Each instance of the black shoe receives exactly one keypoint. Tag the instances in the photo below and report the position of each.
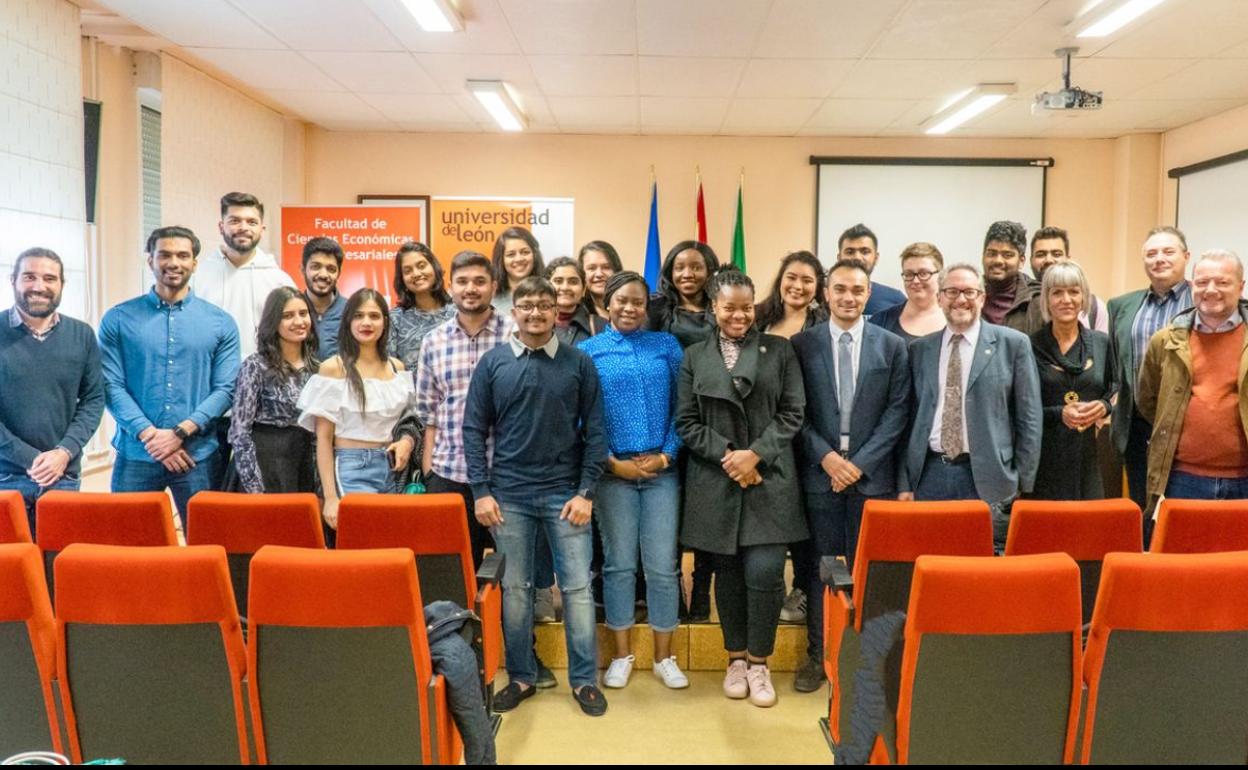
(591, 700)
(545, 678)
(809, 676)
(511, 696)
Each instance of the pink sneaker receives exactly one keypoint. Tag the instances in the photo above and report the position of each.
(734, 681)
(762, 694)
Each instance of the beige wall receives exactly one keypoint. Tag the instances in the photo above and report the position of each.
(1203, 140)
(610, 179)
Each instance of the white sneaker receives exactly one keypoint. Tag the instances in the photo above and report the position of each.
(618, 672)
(735, 685)
(794, 609)
(544, 605)
(668, 672)
(762, 694)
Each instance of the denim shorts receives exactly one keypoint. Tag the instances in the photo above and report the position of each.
(363, 470)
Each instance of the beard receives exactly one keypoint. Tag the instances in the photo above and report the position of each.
(23, 303)
(240, 243)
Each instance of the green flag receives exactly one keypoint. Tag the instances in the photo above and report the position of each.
(738, 233)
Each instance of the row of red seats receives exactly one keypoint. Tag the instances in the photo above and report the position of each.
(145, 657)
(991, 667)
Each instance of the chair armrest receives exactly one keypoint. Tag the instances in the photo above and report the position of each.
(490, 610)
(835, 575)
(441, 726)
(491, 570)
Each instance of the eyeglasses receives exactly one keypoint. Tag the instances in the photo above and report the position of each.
(922, 276)
(541, 307)
(952, 294)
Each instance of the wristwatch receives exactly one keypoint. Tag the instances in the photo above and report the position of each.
(586, 493)
(180, 433)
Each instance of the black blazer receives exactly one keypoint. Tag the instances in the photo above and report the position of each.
(880, 412)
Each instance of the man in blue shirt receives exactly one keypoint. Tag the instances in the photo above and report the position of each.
(50, 367)
(859, 242)
(322, 265)
(539, 400)
(170, 360)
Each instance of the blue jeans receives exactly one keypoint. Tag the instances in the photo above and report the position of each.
(1188, 486)
(363, 470)
(942, 480)
(572, 548)
(151, 476)
(640, 516)
(31, 492)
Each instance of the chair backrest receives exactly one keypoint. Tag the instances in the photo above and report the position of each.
(150, 658)
(104, 518)
(1085, 530)
(895, 534)
(244, 523)
(14, 526)
(1164, 665)
(339, 658)
(27, 654)
(434, 527)
(990, 672)
(1201, 526)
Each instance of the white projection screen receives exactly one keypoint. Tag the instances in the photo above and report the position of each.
(946, 201)
(1213, 204)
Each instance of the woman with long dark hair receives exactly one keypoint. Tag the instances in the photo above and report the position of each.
(600, 261)
(575, 320)
(798, 298)
(272, 453)
(354, 403)
(421, 301)
(517, 255)
(682, 306)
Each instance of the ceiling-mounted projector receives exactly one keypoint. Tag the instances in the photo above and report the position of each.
(1069, 97)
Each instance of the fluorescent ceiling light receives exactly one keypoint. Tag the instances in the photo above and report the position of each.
(496, 99)
(966, 106)
(435, 15)
(1104, 21)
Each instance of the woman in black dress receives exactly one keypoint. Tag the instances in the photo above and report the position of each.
(1077, 383)
(920, 314)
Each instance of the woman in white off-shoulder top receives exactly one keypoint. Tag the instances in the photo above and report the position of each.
(354, 403)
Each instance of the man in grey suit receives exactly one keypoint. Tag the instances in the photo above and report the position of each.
(857, 379)
(977, 418)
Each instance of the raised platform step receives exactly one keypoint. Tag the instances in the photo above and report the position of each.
(697, 646)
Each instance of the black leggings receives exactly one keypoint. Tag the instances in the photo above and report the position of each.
(749, 592)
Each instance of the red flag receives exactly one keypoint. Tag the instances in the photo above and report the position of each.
(701, 213)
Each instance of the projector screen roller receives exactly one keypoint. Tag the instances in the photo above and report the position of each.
(948, 202)
(1213, 205)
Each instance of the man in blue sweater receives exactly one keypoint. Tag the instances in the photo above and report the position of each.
(50, 367)
(538, 399)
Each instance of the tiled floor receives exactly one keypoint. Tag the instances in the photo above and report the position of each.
(646, 723)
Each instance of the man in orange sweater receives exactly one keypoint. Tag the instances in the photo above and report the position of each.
(1193, 389)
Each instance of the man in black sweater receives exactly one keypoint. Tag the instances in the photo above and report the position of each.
(52, 383)
(538, 399)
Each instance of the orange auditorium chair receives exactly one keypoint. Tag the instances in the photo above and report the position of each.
(150, 655)
(14, 526)
(1201, 526)
(990, 671)
(102, 518)
(339, 660)
(1085, 530)
(27, 654)
(893, 535)
(1165, 663)
(245, 523)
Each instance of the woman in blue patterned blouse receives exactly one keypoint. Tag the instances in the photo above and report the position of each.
(638, 498)
(420, 301)
(271, 452)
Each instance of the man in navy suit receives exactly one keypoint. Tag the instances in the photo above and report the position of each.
(977, 416)
(857, 380)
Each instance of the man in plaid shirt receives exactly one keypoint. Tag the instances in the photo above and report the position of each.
(448, 357)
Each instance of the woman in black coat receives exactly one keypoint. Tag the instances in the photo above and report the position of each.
(740, 403)
(1077, 384)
